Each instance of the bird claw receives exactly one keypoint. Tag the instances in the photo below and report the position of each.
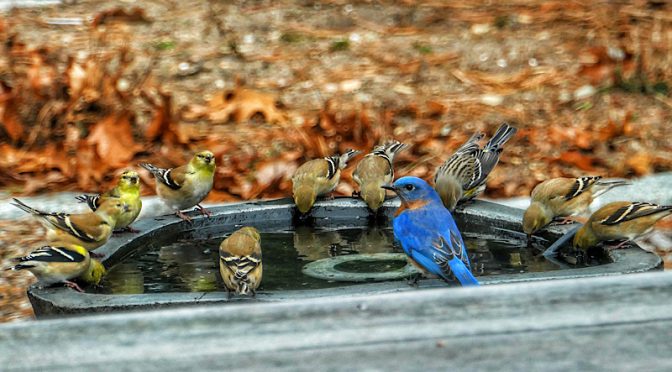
(96, 255)
(413, 280)
(73, 285)
(183, 216)
(203, 211)
(620, 245)
(127, 229)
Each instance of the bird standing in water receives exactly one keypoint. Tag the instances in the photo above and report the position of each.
(318, 177)
(427, 232)
(240, 261)
(128, 191)
(376, 170)
(186, 186)
(563, 197)
(462, 177)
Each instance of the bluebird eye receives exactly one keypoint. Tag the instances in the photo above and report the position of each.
(409, 187)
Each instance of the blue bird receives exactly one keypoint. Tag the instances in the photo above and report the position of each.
(427, 232)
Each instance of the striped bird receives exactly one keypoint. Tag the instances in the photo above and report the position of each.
(620, 221)
(462, 177)
(376, 170)
(61, 264)
(90, 230)
(428, 233)
(186, 186)
(564, 197)
(318, 177)
(240, 261)
(128, 191)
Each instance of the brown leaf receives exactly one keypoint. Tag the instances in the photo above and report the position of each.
(113, 139)
(581, 161)
(242, 104)
(641, 163)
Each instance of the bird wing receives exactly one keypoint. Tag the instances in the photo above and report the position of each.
(172, 177)
(86, 227)
(452, 259)
(631, 211)
(579, 186)
(53, 254)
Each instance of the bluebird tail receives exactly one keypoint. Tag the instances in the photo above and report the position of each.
(462, 273)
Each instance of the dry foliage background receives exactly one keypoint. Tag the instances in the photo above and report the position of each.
(88, 89)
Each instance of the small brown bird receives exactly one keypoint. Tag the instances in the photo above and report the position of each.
(462, 177)
(376, 170)
(186, 186)
(620, 221)
(240, 261)
(563, 197)
(318, 177)
(90, 230)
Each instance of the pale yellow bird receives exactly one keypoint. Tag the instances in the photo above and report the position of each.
(90, 230)
(128, 191)
(620, 221)
(186, 186)
(240, 261)
(318, 177)
(376, 170)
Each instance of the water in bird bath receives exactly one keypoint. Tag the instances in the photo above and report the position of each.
(190, 264)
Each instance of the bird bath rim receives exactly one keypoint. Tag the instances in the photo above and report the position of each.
(281, 213)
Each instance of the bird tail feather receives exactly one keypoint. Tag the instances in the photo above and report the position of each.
(503, 134)
(462, 273)
(26, 208)
(90, 200)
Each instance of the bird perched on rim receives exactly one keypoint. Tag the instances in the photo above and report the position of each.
(318, 177)
(90, 230)
(563, 197)
(128, 191)
(186, 186)
(240, 261)
(462, 177)
(376, 170)
(427, 232)
(620, 221)
(61, 263)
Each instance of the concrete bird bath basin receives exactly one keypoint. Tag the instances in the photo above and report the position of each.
(317, 277)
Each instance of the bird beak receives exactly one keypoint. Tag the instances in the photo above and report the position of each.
(135, 180)
(125, 207)
(389, 187)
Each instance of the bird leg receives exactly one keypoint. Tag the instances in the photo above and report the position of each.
(183, 216)
(128, 229)
(73, 285)
(413, 280)
(96, 255)
(204, 211)
(620, 245)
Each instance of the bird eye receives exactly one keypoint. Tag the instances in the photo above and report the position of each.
(409, 187)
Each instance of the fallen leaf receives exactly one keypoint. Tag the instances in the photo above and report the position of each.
(113, 138)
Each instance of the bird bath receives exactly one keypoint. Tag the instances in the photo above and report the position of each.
(338, 252)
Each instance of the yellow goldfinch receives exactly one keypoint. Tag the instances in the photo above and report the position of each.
(57, 264)
(620, 221)
(376, 170)
(462, 177)
(563, 197)
(90, 230)
(318, 177)
(94, 274)
(186, 186)
(128, 191)
(240, 261)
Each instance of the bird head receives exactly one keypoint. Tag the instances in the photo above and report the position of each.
(535, 218)
(411, 189)
(304, 198)
(251, 232)
(585, 238)
(129, 180)
(204, 160)
(94, 274)
(373, 195)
